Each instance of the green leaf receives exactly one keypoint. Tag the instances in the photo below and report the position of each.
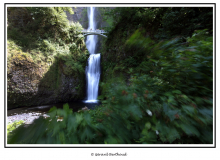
(71, 124)
(111, 140)
(165, 107)
(66, 109)
(101, 97)
(148, 125)
(189, 129)
(135, 111)
(189, 110)
(172, 135)
(206, 112)
(172, 70)
(170, 112)
(79, 118)
(87, 118)
(52, 109)
(105, 101)
(52, 112)
(176, 91)
(86, 134)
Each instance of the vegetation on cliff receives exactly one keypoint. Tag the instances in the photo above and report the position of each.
(45, 53)
(165, 61)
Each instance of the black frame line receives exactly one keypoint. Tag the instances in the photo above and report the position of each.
(5, 76)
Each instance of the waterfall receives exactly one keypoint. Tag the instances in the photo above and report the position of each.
(93, 75)
(91, 39)
(93, 68)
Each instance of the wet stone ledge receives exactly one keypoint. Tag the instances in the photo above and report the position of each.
(28, 118)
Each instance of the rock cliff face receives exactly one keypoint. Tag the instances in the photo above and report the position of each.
(30, 83)
(80, 15)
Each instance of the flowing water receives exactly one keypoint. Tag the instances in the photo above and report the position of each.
(93, 68)
(91, 40)
(29, 114)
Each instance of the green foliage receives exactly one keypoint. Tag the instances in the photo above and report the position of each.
(39, 22)
(163, 106)
(46, 46)
(49, 34)
(105, 17)
(72, 67)
(174, 81)
(161, 22)
(185, 20)
(13, 126)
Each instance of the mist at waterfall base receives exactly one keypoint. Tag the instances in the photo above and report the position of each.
(93, 68)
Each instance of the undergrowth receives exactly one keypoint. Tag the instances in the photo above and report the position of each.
(171, 102)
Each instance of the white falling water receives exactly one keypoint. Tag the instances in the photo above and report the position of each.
(93, 68)
(91, 39)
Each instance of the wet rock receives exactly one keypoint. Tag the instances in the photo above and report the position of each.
(45, 115)
(84, 109)
(35, 83)
(28, 118)
(38, 114)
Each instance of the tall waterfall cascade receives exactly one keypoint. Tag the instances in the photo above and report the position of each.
(93, 69)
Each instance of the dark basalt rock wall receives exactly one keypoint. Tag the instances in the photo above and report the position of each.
(80, 15)
(30, 84)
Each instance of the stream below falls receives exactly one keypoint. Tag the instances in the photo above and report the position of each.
(29, 114)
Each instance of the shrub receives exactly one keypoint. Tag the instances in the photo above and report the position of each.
(13, 126)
